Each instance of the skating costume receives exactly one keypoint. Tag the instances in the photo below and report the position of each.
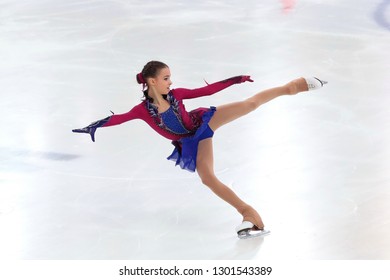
(185, 129)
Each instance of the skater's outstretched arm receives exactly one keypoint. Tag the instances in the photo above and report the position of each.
(134, 113)
(183, 93)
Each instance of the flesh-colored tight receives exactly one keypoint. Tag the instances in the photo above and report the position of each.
(223, 115)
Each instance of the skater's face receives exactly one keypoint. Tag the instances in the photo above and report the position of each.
(162, 81)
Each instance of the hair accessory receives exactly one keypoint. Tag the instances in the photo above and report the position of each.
(140, 78)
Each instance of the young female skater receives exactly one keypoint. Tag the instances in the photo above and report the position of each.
(191, 132)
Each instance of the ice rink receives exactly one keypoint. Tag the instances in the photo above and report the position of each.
(316, 166)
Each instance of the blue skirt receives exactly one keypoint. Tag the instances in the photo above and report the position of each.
(186, 149)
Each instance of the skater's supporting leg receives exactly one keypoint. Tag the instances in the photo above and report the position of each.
(205, 169)
(229, 112)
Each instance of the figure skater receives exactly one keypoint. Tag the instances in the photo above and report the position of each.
(191, 132)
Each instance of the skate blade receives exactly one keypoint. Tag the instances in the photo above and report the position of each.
(249, 233)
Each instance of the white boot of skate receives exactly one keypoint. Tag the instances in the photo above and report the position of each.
(246, 230)
(314, 83)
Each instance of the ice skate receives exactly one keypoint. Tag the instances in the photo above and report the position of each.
(248, 230)
(252, 225)
(314, 83)
(305, 84)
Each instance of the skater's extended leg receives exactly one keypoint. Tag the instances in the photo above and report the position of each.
(229, 112)
(205, 169)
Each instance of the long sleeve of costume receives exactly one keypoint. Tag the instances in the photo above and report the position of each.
(121, 118)
(182, 93)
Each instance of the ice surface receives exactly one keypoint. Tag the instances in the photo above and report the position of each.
(313, 164)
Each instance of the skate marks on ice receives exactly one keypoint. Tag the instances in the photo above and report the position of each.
(244, 249)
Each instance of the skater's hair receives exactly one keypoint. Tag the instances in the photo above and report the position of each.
(150, 70)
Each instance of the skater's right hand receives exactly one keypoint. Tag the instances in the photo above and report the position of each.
(90, 130)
